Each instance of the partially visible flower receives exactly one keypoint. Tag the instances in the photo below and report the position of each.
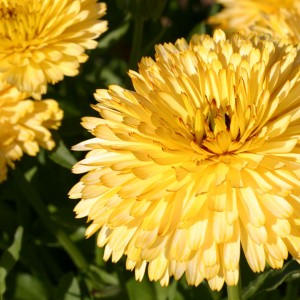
(239, 15)
(44, 40)
(283, 24)
(24, 126)
(202, 158)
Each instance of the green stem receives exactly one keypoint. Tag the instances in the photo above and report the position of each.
(36, 202)
(234, 292)
(136, 41)
(71, 249)
(292, 290)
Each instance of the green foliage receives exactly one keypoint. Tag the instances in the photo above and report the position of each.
(9, 258)
(270, 280)
(44, 251)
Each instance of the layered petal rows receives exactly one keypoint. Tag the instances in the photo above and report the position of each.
(200, 159)
(44, 40)
(241, 15)
(24, 125)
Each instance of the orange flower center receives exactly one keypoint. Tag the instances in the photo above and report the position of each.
(8, 13)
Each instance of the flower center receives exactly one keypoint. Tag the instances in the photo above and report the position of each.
(215, 115)
(18, 21)
(8, 13)
(219, 130)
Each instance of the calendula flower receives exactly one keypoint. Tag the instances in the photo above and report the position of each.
(24, 126)
(44, 40)
(283, 24)
(201, 158)
(239, 15)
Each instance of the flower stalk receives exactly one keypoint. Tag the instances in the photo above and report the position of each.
(136, 41)
(234, 291)
(37, 204)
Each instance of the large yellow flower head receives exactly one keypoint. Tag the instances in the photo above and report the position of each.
(238, 15)
(44, 40)
(201, 158)
(24, 125)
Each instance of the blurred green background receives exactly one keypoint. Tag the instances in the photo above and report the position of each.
(44, 253)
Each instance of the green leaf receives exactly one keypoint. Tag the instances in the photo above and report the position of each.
(140, 290)
(68, 288)
(9, 258)
(100, 275)
(113, 35)
(254, 286)
(198, 29)
(169, 292)
(103, 283)
(162, 292)
(30, 288)
(148, 290)
(276, 277)
(35, 200)
(62, 156)
(215, 8)
(202, 291)
(271, 279)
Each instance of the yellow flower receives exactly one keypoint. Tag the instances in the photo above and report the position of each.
(283, 24)
(239, 15)
(24, 125)
(201, 158)
(44, 40)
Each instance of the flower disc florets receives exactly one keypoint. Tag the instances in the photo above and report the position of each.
(201, 158)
